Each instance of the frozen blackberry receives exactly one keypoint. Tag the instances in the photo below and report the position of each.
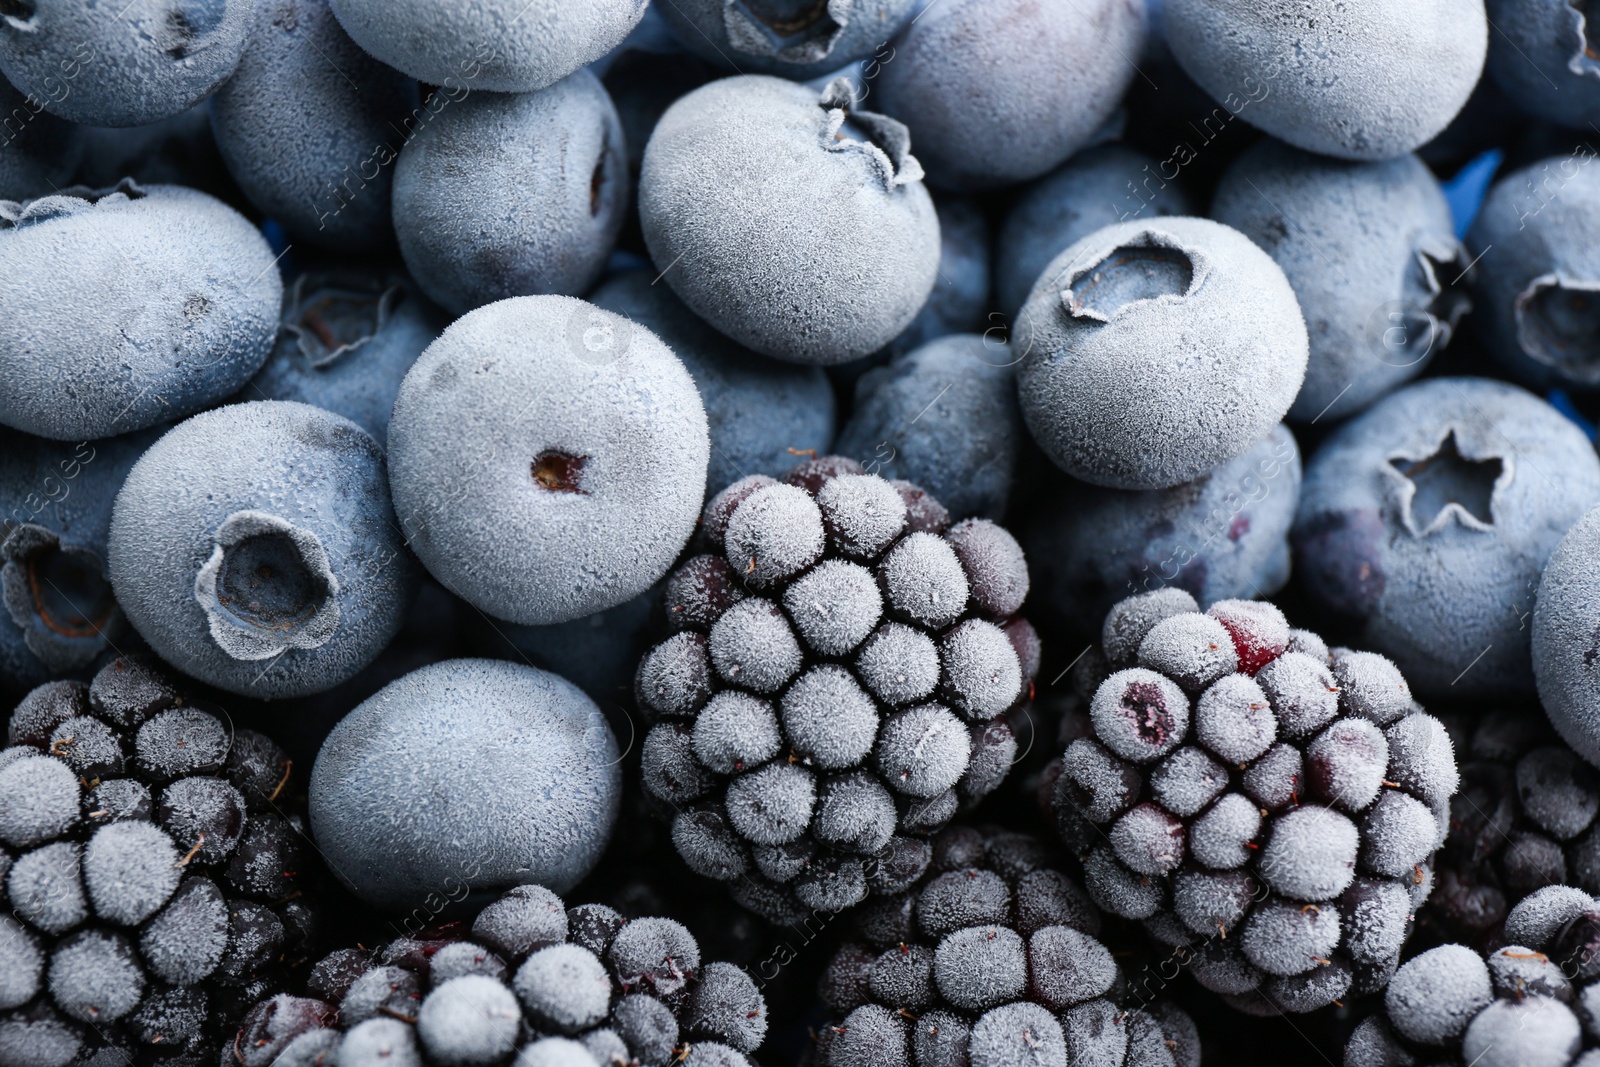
(568, 987)
(1531, 1003)
(1524, 819)
(990, 960)
(1267, 806)
(156, 875)
(836, 687)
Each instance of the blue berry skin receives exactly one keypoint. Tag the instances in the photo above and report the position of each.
(475, 773)
(794, 224)
(140, 306)
(304, 125)
(58, 614)
(110, 65)
(39, 150)
(548, 459)
(254, 548)
(1337, 77)
(1095, 188)
(1566, 620)
(1536, 289)
(960, 299)
(944, 417)
(180, 150)
(504, 46)
(1223, 536)
(349, 335)
(981, 84)
(1370, 249)
(762, 413)
(1541, 58)
(505, 195)
(1424, 523)
(1153, 351)
(795, 39)
(598, 652)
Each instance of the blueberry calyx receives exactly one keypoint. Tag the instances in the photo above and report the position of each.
(1447, 483)
(1558, 324)
(795, 31)
(887, 141)
(58, 597)
(332, 316)
(1151, 266)
(268, 587)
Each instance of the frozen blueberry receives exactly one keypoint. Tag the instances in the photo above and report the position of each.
(579, 438)
(55, 510)
(1542, 56)
(506, 195)
(1371, 252)
(141, 305)
(476, 771)
(254, 547)
(504, 46)
(980, 83)
(1538, 294)
(598, 652)
(762, 413)
(1140, 368)
(959, 302)
(1332, 76)
(110, 66)
(943, 416)
(1095, 188)
(304, 126)
(349, 335)
(857, 251)
(798, 39)
(41, 149)
(1425, 522)
(1222, 536)
(1566, 619)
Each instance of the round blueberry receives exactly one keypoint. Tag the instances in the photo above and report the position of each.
(798, 39)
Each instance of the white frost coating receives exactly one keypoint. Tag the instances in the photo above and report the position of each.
(534, 376)
(1159, 388)
(1434, 996)
(804, 45)
(1566, 622)
(237, 636)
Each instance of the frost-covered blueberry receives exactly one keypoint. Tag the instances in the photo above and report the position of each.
(1095, 188)
(1221, 536)
(980, 84)
(1538, 295)
(59, 614)
(959, 302)
(798, 39)
(1542, 56)
(254, 547)
(304, 127)
(107, 66)
(580, 440)
(858, 252)
(1138, 368)
(142, 305)
(446, 745)
(1371, 252)
(762, 413)
(1424, 524)
(506, 195)
(944, 416)
(504, 46)
(1565, 620)
(348, 337)
(1335, 77)
(42, 149)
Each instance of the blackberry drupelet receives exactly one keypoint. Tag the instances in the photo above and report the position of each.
(1523, 819)
(991, 961)
(155, 885)
(835, 689)
(1533, 1002)
(1267, 807)
(569, 987)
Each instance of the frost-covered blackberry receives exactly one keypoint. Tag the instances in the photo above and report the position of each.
(1524, 819)
(155, 871)
(140, 305)
(1265, 806)
(797, 39)
(531, 978)
(990, 960)
(835, 687)
(1531, 1003)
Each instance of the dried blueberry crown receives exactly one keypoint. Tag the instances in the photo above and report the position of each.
(155, 886)
(579, 987)
(1523, 819)
(1532, 1001)
(992, 961)
(1267, 807)
(834, 691)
